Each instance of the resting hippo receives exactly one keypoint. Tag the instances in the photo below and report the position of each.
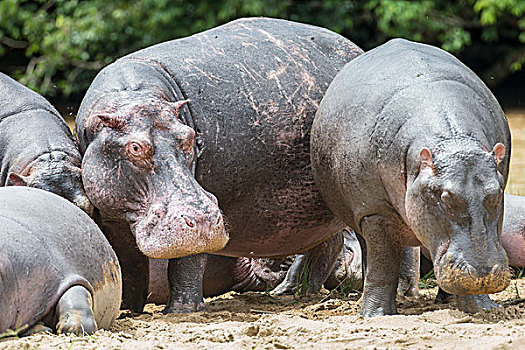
(221, 119)
(56, 266)
(224, 274)
(410, 148)
(36, 145)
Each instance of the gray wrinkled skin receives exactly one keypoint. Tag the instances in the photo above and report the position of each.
(409, 147)
(36, 145)
(204, 141)
(56, 266)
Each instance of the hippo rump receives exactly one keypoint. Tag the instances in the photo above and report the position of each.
(185, 138)
(224, 274)
(410, 148)
(56, 266)
(36, 146)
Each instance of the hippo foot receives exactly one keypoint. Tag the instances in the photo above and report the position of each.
(40, 327)
(369, 311)
(74, 312)
(475, 303)
(182, 308)
(283, 289)
(379, 304)
(443, 297)
(407, 288)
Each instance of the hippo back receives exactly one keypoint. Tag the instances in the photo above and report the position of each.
(48, 245)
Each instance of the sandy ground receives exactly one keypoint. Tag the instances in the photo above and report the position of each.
(324, 321)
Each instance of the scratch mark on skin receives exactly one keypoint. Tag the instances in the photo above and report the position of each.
(210, 76)
(243, 68)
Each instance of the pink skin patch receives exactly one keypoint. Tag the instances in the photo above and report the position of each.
(514, 245)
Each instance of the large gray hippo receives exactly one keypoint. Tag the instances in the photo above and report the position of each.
(36, 146)
(203, 143)
(410, 148)
(56, 266)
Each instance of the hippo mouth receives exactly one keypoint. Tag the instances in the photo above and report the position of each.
(456, 275)
(180, 235)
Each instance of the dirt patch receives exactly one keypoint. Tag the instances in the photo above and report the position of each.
(324, 321)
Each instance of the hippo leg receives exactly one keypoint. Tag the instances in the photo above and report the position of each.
(185, 277)
(475, 303)
(383, 265)
(74, 311)
(134, 264)
(409, 273)
(309, 270)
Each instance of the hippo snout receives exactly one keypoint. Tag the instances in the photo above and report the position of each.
(457, 275)
(173, 231)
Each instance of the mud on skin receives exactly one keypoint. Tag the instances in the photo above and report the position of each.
(36, 145)
(237, 152)
(416, 152)
(58, 271)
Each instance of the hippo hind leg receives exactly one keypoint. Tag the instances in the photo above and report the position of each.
(75, 313)
(310, 270)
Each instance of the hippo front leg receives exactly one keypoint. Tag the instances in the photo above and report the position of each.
(409, 273)
(75, 313)
(310, 270)
(383, 265)
(185, 277)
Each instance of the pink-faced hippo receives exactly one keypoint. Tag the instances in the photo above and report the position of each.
(202, 144)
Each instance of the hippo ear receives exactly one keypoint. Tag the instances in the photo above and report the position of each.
(17, 180)
(111, 121)
(499, 152)
(178, 105)
(425, 159)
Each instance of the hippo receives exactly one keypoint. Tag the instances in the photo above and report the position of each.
(37, 148)
(224, 274)
(202, 144)
(56, 266)
(513, 233)
(410, 148)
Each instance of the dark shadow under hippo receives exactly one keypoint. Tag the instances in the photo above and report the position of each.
(410, 148)
(36, 146)
(201, 144)
(224, 274)
(56, 266)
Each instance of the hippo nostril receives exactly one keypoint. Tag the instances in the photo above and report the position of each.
(189, 222)
(219, 219)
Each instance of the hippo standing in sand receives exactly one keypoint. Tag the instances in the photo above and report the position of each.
(56, 266)
(36, 145)
(220, 121)
(409, 148)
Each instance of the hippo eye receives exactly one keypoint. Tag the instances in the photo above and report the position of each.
(135, 149)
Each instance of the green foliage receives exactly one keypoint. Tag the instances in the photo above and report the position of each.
(57, 46)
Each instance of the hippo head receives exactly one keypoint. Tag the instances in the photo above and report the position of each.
(454, 205)
(56, 172)
(140, 167)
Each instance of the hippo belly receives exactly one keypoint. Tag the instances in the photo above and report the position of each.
(45, 253)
